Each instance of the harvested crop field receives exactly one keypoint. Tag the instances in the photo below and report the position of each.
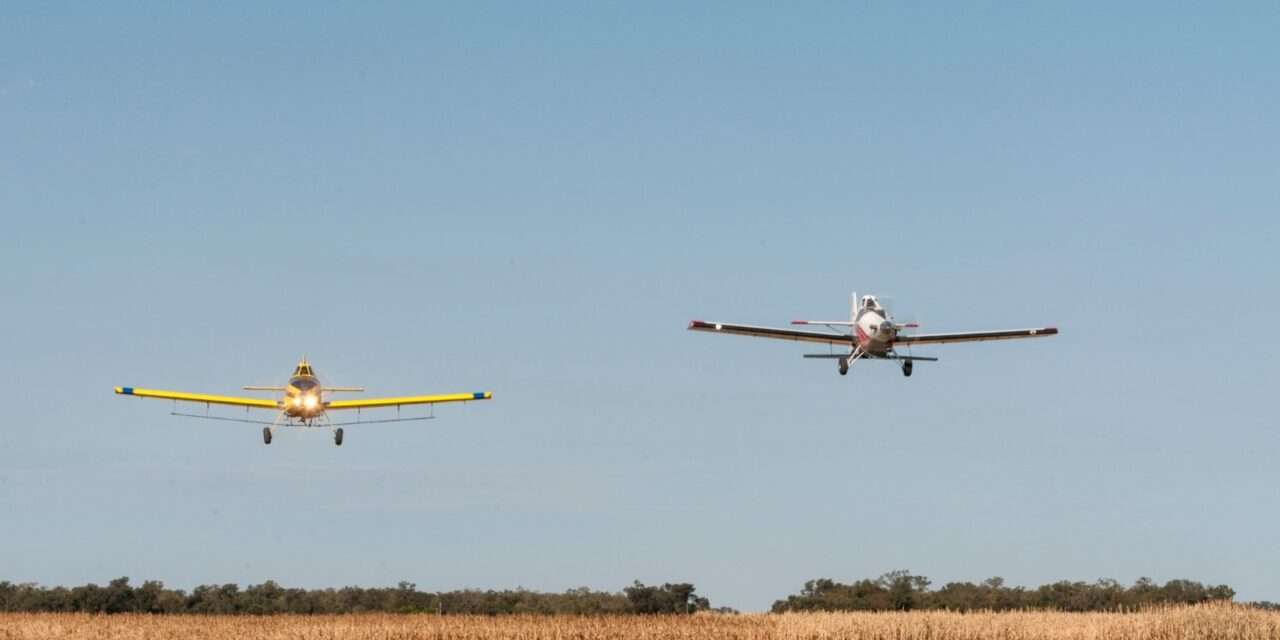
(1205, 621)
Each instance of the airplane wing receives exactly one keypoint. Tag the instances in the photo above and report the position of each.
(976, 336)
(770, 332)
(367, 403)
(257, 403)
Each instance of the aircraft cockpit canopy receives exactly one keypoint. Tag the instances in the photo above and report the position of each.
(303, 369)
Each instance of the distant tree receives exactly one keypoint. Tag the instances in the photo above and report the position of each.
(118, 596)
(261, 599)
(669, 598)
(147, 598)
(896, 590)
(825, 594)
(960, 596)
(905, 591)
(900, 590)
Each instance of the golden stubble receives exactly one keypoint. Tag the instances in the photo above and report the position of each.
(1202, 622)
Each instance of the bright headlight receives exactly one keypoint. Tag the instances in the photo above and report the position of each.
(309, 401)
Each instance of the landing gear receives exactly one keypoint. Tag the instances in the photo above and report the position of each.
(906, 368)
(266, 435)
(337, 437)
(844, 363)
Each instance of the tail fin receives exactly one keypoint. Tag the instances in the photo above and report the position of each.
(303, 368)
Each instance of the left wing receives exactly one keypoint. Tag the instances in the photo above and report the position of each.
(257, 403)
(976, 336)
(771, 332)
(367, 403)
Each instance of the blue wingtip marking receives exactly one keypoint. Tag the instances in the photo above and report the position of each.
(128, 391)
(479, 395)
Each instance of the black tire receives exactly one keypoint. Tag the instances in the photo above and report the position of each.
(266, 435)
(337, 437)
(844, 369)
(906, 368)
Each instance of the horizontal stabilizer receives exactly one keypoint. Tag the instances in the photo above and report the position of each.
(277, 424)
(834, 356)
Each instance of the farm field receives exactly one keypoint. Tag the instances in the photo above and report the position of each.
(1204, 621)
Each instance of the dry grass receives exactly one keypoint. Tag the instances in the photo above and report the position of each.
(1200, 622)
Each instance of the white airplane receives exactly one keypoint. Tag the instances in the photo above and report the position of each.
(874, 335)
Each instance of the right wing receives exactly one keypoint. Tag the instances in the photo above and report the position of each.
(366, 403)
(976, 336)
(257, 403)
(770, 332)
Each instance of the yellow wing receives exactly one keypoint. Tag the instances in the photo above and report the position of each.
(199, 397)
(395, 402)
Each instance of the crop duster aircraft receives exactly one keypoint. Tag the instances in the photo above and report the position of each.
(870, 333)
(304, 403)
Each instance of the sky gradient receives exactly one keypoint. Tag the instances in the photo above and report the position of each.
(536, 200)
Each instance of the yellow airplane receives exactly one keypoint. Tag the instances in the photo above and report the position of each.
(303, 403)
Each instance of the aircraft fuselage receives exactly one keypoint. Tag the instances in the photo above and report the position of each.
(873, 332)
(303, 398)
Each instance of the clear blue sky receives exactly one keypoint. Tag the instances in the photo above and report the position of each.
(536, 200)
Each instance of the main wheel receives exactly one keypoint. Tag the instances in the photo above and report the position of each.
(266, 435)
(844, 368)
(337, 437)
(906, 368)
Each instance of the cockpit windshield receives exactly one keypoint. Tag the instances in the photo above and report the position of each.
(303, 384)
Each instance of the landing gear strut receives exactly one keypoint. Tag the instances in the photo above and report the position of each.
(845, 362)
(337, 437)
(266, 435)
(906, 368)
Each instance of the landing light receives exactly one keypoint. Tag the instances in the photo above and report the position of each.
(309, 401)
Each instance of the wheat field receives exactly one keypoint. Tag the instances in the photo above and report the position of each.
(1201, 622)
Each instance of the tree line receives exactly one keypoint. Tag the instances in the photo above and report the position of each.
(902, 591)
(895, 591)
(119, 596)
